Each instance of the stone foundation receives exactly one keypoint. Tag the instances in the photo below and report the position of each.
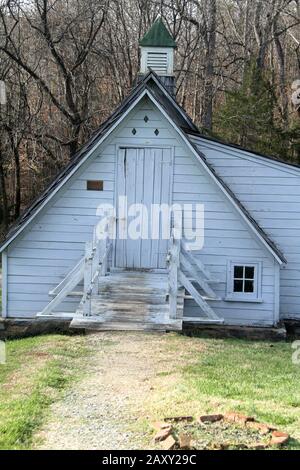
(22, 328)
(241, 332)
(293, 328)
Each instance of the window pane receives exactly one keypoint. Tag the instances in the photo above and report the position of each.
(249, 286)
(249, 272)
(238, 286)
(238, 272)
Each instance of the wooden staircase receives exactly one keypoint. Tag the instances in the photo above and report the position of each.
(131, 300)
(134, 300)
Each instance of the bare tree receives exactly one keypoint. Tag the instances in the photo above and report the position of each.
(60, 35)
(67, 63)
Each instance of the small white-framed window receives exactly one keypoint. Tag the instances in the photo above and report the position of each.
(244, 281)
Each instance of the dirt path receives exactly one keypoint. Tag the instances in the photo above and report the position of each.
(107, 408)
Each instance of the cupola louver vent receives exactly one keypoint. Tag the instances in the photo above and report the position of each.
(158, 61)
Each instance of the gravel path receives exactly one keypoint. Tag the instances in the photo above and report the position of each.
(101, 410)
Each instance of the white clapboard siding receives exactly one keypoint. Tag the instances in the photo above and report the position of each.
(226, 237)
(271, 192)
(40, 259)
(55, 241)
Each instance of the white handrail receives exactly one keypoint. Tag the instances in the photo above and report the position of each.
(179, 259)
(90, 268)
(173, 260)
(62, 294)
(96, 263)
(70, 275)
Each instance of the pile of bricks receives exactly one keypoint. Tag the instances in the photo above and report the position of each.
(166, 437)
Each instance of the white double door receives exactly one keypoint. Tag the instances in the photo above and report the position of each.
(143, 180)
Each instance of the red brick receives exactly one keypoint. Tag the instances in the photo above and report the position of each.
(162, 435)
(237, 418)
(158, 425)
(279, 438)
(179, 419)
(260, 427)
(210, 418)
(185, 441)
(169, 443)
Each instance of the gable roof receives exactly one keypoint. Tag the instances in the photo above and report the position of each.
(151, 86)
(158, 36)
(245, 150)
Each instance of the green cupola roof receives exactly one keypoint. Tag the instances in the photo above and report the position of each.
(158, 36)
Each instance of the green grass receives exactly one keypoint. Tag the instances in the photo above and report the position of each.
(193, 376)
(37, 371)
(250, 372)
(257, 378)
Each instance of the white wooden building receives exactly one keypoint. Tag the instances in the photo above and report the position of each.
(246, 273)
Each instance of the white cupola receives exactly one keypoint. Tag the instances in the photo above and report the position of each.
(157, 51)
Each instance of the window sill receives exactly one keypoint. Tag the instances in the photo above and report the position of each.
(243, 299)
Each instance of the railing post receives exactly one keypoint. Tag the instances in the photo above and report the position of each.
(88, 272)
(102, 258)
(173, 275)
(103, 247)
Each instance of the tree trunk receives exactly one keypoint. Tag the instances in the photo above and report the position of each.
(245, 38)
(282, 79)
(16, 154)
(207, 110)
(5, 208)
(17, 183)
(74, 143)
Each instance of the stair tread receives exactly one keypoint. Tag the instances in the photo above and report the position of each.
(203, 320)
(95, 323)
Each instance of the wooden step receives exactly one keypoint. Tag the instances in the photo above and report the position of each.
(137, 297)
(55, 316)
(95, 323)
(203, 320)
(98, 306)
